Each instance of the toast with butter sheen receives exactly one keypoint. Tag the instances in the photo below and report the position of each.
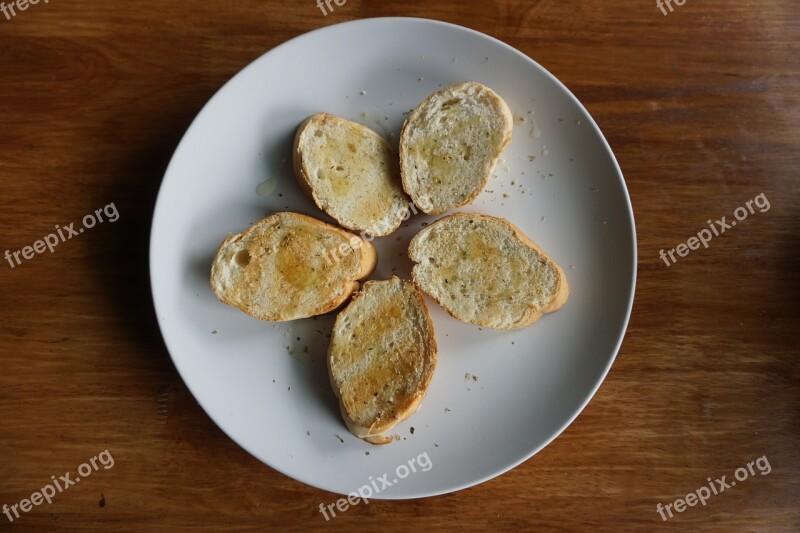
(290, 266)
(485, 271)
(381, 357)
(450, 145)
(351, 173)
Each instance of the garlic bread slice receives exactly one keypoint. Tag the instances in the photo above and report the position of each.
(450, 145)
(485, 271)
(290, 266)
(381, 357)
(351, 173)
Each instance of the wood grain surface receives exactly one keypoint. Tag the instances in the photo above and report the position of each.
(702, 108)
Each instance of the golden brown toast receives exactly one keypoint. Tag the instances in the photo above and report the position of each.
(290, 266)
(351, 173)
(486, 271)
(451, 143)
(381, 357)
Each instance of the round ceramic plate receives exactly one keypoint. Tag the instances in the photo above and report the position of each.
(496, 397)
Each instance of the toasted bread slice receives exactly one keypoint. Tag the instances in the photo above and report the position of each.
(485, 271)
(290, 266)
(351, 173)
(450, 145)
(381, 357)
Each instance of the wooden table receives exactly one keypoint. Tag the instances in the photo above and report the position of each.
(702, 108)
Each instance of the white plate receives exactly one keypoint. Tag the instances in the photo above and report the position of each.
(571, 200)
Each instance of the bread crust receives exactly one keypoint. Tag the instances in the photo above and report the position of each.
(231, 296)
(297, 161)
(561, 292)
(409, 402)
(501, 106)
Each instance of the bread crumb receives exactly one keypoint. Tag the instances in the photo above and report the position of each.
(214, 332)
(474, 378)
(531, 158)
(340, 439)
(412, 430)
(308, 433)
(363, 93)
(421, 79)
(447, 409)
(467, 376)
